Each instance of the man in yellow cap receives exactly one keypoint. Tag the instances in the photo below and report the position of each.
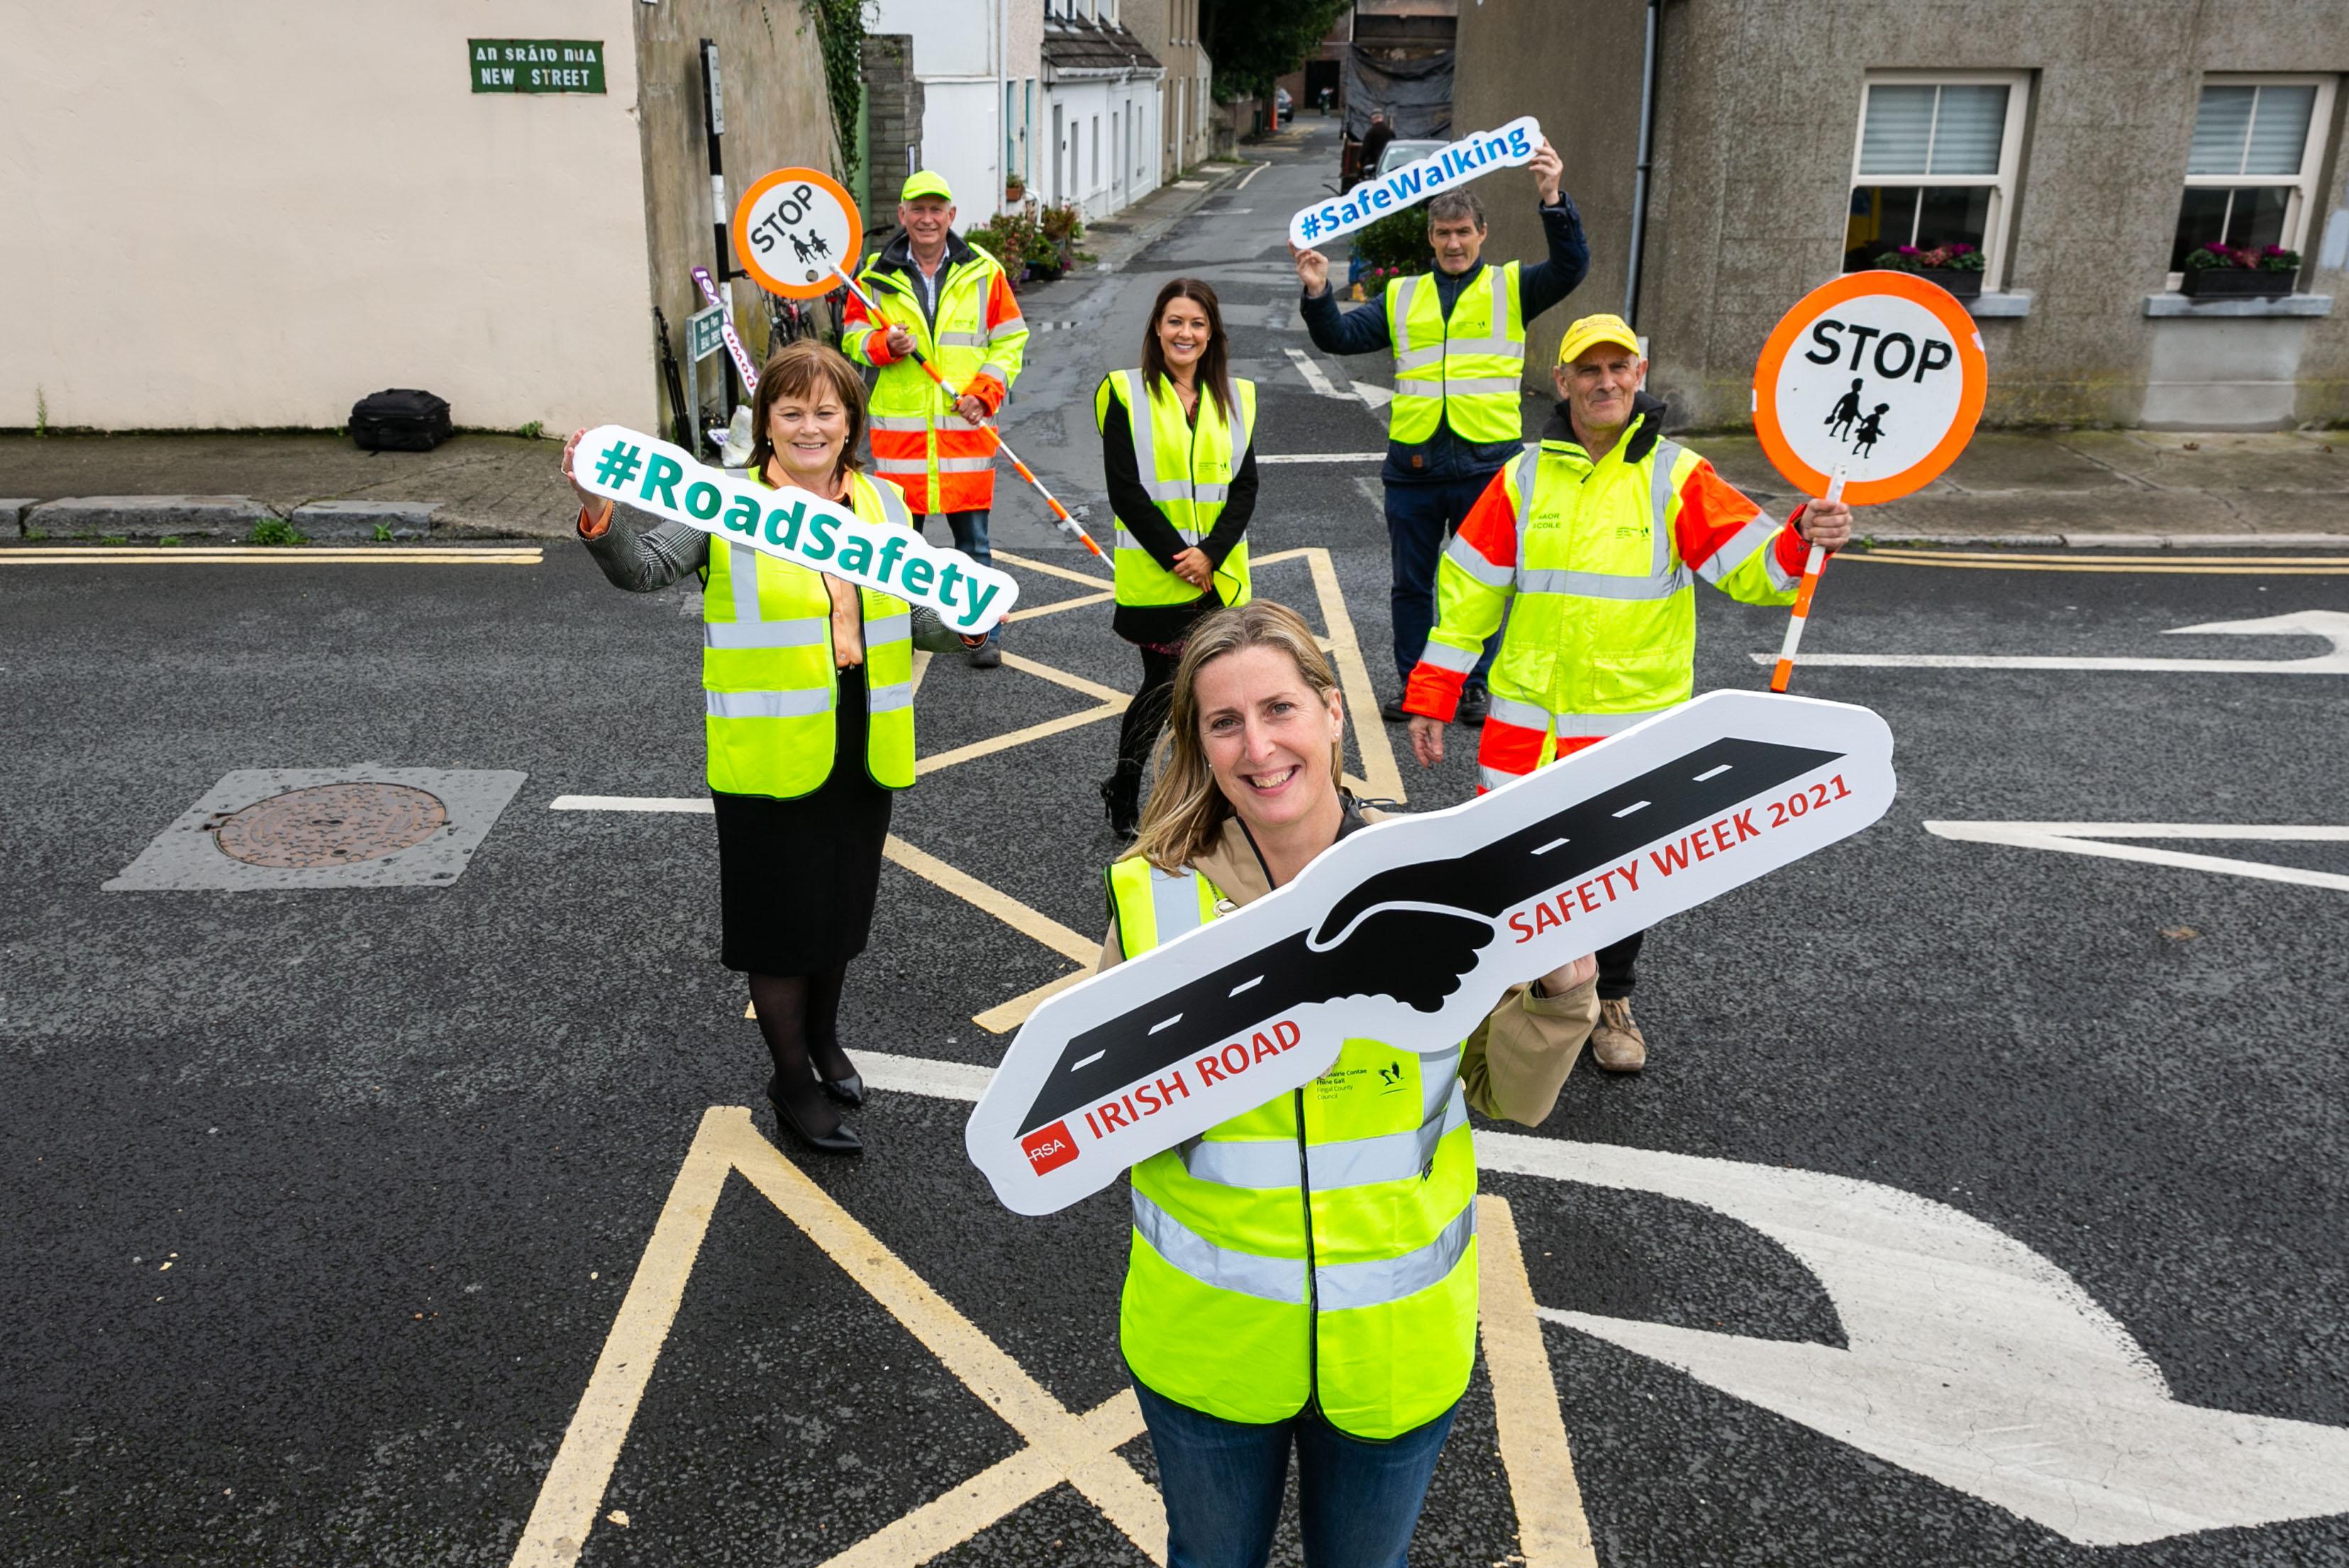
(1598, 533)
(951, 301)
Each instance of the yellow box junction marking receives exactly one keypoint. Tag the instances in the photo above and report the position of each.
(1061, 1444)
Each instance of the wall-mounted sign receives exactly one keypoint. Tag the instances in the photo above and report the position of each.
(705, 332)
(537, 65)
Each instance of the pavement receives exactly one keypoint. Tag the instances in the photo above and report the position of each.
(2020, 490)
(1981, 1203)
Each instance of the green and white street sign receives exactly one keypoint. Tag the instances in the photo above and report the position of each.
(537, 65)
(705, 333)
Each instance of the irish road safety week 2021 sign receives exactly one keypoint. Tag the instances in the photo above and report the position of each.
(1879, 373)
(1408, 932)
(1514, 143)
(647, 473)
(793, 228)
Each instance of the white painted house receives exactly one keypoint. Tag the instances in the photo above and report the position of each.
(1103, 112)
(979, 62)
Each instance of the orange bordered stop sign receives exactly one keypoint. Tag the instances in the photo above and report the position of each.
(1879, 374)
(794, 227)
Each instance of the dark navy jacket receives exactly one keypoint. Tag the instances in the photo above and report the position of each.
(1363, 330)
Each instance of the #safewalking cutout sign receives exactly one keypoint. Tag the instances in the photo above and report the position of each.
(1514, 143)
(649, 474)
(1410, 929)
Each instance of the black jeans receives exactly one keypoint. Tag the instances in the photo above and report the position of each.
(969, 530)
(1615, 962)
(1421, 520)
(1144, 717)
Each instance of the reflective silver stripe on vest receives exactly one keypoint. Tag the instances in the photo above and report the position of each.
(1739, 545)
(1377, 1281)
(807, 632)
(1494, 777)
(1781, 579)
(961, 340)
(1002, 377)
(1272, 1279)
(888, 697)
(1444, 656)
(742, 572)
(895, 628)
(1271, 1162)
(893, 506)
(1666, 458)
(1520, 715)
(967, 465)
(1143, 428)
(900, 465)
(1418, 359)
(1242, 421)
(767, 704)
(1438, 1081)
(1603, 584)
(1567, 725)
(1173, 903)
(1009, 324)
(911, 424)
(1471, 560)
(1125, 540)
(1478, 386)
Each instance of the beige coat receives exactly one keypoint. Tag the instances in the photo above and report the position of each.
(1515, 1063)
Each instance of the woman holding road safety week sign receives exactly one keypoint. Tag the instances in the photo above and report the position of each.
(807, 690)
(1305, 1273)
(1178, 457)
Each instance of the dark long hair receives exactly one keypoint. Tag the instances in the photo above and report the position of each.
(1213, 364)
(799, 369)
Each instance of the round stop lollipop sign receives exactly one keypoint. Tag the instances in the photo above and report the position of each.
(793, 228)
(1879, 375)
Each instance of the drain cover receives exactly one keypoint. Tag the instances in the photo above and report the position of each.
(331, 825)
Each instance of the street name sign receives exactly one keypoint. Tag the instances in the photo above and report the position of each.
(793, 228)
(536, 65)
(1879, 375)
(1408, 931)
(783, 520)
(1414, 182)
(704, 331)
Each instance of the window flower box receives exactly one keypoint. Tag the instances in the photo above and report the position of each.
(1963, 284)
(2217, 271)
(1956, 267)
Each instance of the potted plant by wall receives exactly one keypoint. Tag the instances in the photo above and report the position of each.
(2215, 271)
(1063, 225)
(1045, 262)
(1956, 267)
(1015, 188)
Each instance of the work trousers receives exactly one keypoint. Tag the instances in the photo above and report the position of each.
(1421, 520)
(1357, 1502)
(969, 529)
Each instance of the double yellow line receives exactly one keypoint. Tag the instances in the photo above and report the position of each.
(271, 555)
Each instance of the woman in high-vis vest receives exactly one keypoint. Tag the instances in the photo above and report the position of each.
(808, 697)
(1179, 459)
(1304, 1273)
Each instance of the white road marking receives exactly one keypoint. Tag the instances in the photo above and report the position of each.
(2330, 625)
(1322, 458)
(1960, 1337)
(1251, 175)
(1373, 396)
(700, 803)
(1088, 1061)
(2084, 839)
(1167, 1023)
(1246, 984)
(1635, 806)
(1549, 847)
(1713, 773)
(1314, 375)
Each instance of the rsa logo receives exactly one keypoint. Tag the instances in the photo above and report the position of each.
(1050, 1148)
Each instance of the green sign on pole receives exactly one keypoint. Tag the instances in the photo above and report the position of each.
(537, 65)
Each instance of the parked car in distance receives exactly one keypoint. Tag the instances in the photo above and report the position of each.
(1398, 153)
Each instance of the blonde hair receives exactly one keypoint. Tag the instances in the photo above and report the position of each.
(1186, 809)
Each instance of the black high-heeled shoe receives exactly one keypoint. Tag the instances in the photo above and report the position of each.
(848, 1092)
(841, 1140)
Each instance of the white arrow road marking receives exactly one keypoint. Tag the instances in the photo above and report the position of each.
(1373, 396)
(1971, 1359)
(1315, 376)
(2332, 626)
(2081, 838)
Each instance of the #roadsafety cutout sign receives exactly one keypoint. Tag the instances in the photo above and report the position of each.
(1408, 931)
(1880, 374)
(1514, 143)
(647, 473)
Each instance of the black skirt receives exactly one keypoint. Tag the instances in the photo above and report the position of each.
(796, 879)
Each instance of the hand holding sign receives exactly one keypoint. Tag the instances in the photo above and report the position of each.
(1410, 929)
(1865, 391)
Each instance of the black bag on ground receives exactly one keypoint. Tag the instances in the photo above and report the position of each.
(400, 420)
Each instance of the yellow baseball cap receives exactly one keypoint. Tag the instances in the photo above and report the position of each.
(922, 183)
(1593, 330)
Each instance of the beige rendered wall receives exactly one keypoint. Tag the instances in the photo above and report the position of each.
(253, 214)
(1757, 114)
(778, 114)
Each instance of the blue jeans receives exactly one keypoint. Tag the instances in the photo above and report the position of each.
(1421, 520)
(1358, 1502)
(970, 538)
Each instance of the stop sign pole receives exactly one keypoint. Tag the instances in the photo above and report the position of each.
(1871, 384)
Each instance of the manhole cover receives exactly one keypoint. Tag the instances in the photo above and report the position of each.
(331, 825)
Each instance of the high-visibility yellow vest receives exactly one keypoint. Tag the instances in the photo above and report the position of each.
(1188, 471)
(1467, 369)
(919, 443)
(769, 688)
(1246, 1297)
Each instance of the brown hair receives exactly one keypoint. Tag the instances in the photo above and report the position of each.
(798, 369)
(1212, 364)
(1450, 206)
(1186, 809)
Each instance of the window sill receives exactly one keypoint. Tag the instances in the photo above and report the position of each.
(2179, 304)
(2014, 303)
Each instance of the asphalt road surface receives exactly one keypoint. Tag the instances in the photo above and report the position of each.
(1984, 1200)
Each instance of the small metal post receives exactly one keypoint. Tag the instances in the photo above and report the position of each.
(713, 120)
